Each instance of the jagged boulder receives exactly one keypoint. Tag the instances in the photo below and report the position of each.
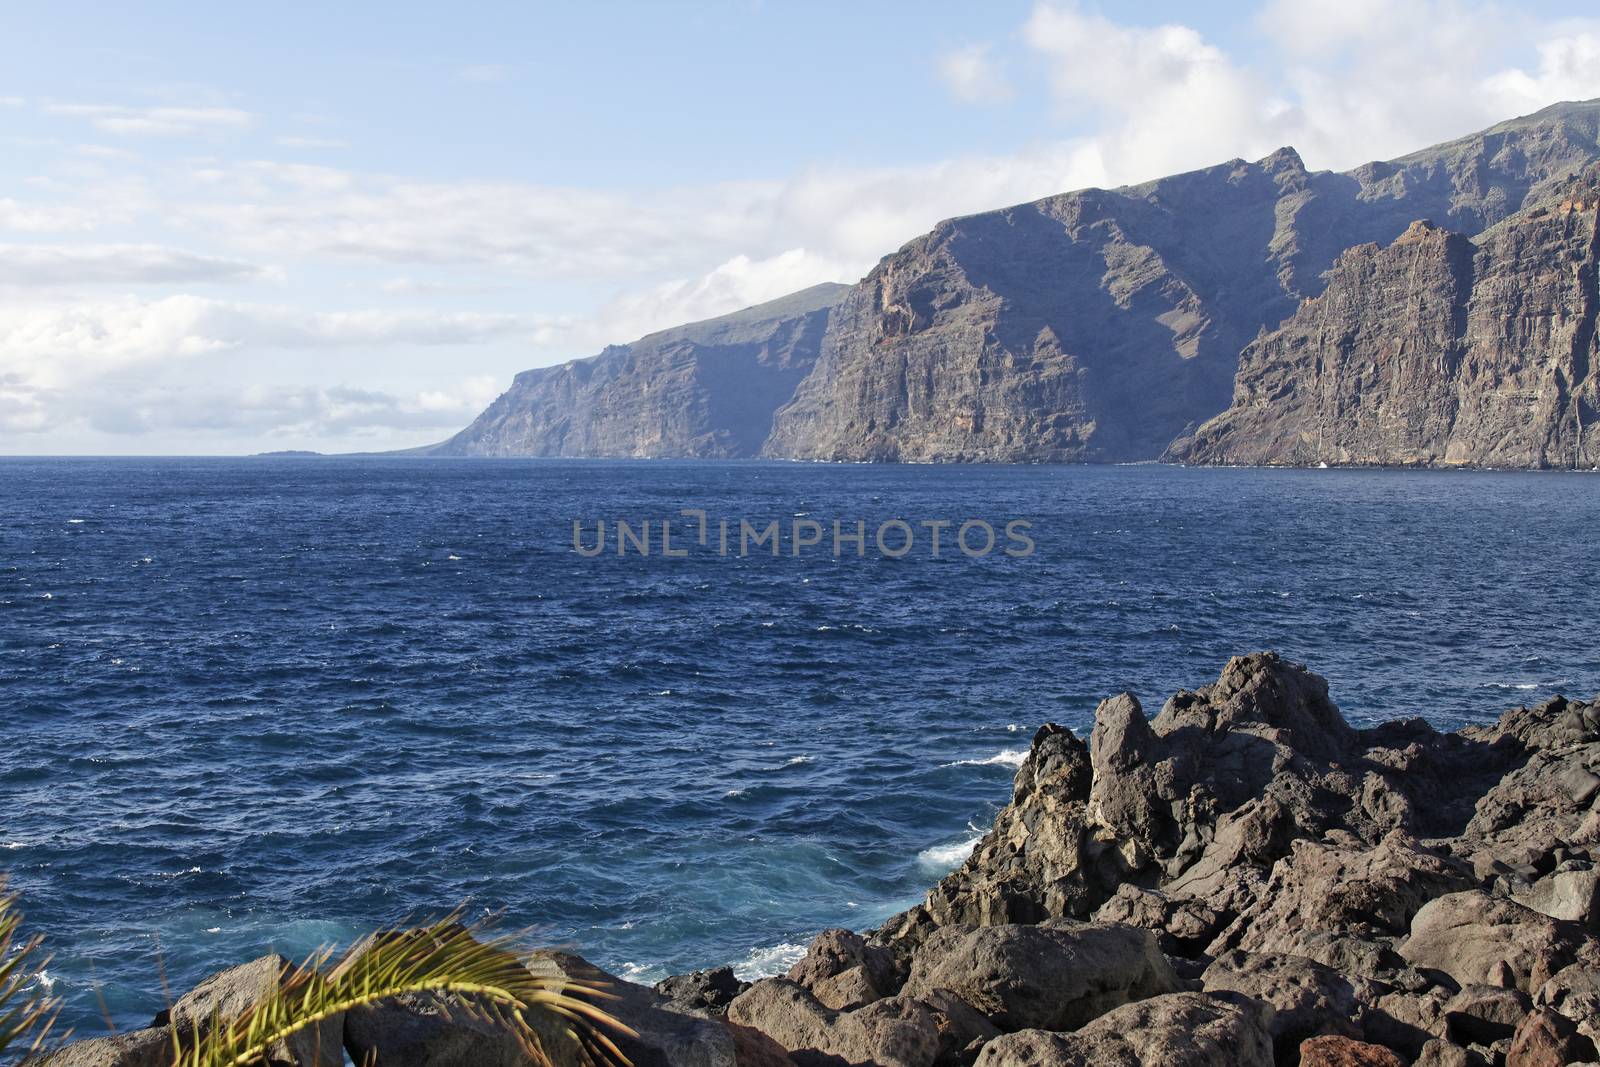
(844, 970)
(137, 1048)
(1337, 886)
(894, 1032)
(1332, 1051)
(1183, 925)
(1176, 1030)
(1470, 935)
(1057, 976)
(1547, 1039)
(707, 992)
(224, 997)
(1307, 998)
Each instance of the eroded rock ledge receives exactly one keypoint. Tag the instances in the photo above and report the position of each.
(1245, 879)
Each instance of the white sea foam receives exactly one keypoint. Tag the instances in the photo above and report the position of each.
(768, 961)
(795, 761)
(642, 973)
(733, 793)
(1009, 757)
(74, 522)
(452, 557)
(949, 856)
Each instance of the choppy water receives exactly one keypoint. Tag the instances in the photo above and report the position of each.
(272, 703)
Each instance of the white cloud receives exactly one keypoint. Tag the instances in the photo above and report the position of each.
(311, 142)
(738, 283)
(12, 101)
(66, 265)
(155, 121)
(48, 346)
(292, 414)
(43, 218)
(1569, 69)
(972, 77)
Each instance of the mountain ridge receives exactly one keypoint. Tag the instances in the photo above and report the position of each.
(1090, 326)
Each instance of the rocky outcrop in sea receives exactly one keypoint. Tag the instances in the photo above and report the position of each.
(1244, 879)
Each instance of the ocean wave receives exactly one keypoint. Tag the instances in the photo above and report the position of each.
(769, 960)
(1008, 757)
(948, 857)
(642, 973)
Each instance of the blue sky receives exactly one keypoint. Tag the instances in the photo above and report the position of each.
(230, 228)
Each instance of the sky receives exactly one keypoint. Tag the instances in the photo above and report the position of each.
(233, 228)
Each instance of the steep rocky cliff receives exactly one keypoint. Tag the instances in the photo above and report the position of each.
(1095, 326)
(1100, 325)
(705, 390)
(1436, 350)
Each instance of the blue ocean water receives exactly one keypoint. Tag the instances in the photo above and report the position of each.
(253, 704)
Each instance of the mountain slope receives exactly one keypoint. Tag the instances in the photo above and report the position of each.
(1436, 350)
(1099, 325)
(705, 390)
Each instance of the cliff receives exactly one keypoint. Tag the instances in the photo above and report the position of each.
(1433, 351)
(705, 390)
(1098, 325)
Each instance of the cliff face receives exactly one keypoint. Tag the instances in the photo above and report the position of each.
(706, 390)
(1435, 350)
(1099, 325)
(1103, 325)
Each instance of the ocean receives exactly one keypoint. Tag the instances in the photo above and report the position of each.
(270, 704)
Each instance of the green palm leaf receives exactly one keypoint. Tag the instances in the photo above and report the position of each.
(445, 958)
(27, 1011)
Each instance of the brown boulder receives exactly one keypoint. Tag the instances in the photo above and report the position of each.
(227, 996)
(1175, 1030)
(1546, 1039)
(1330, 1051)
(1057, 976)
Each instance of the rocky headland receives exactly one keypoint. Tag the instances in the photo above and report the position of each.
(1298, 316)
(1243, 879)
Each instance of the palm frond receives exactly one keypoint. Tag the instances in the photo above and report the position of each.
(27, 1011)
(444, 958)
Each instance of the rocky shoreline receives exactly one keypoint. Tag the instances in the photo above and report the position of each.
(1244, 879)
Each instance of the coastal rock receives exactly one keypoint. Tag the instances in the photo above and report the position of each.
(1175, 1030)
(425, 1030)
(1546, 1039)
(1203, 801)
(1183, 926)
(1442, 1053)
(225, 997)
(1345, 1052)
(1057, 976)
(1334, 887)
(1307, 998)
(844, 970)
(1482, 1015)
(663, 1036)
(1469, 935)
(137, 1048)
(897, 1031)
(707, 992)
